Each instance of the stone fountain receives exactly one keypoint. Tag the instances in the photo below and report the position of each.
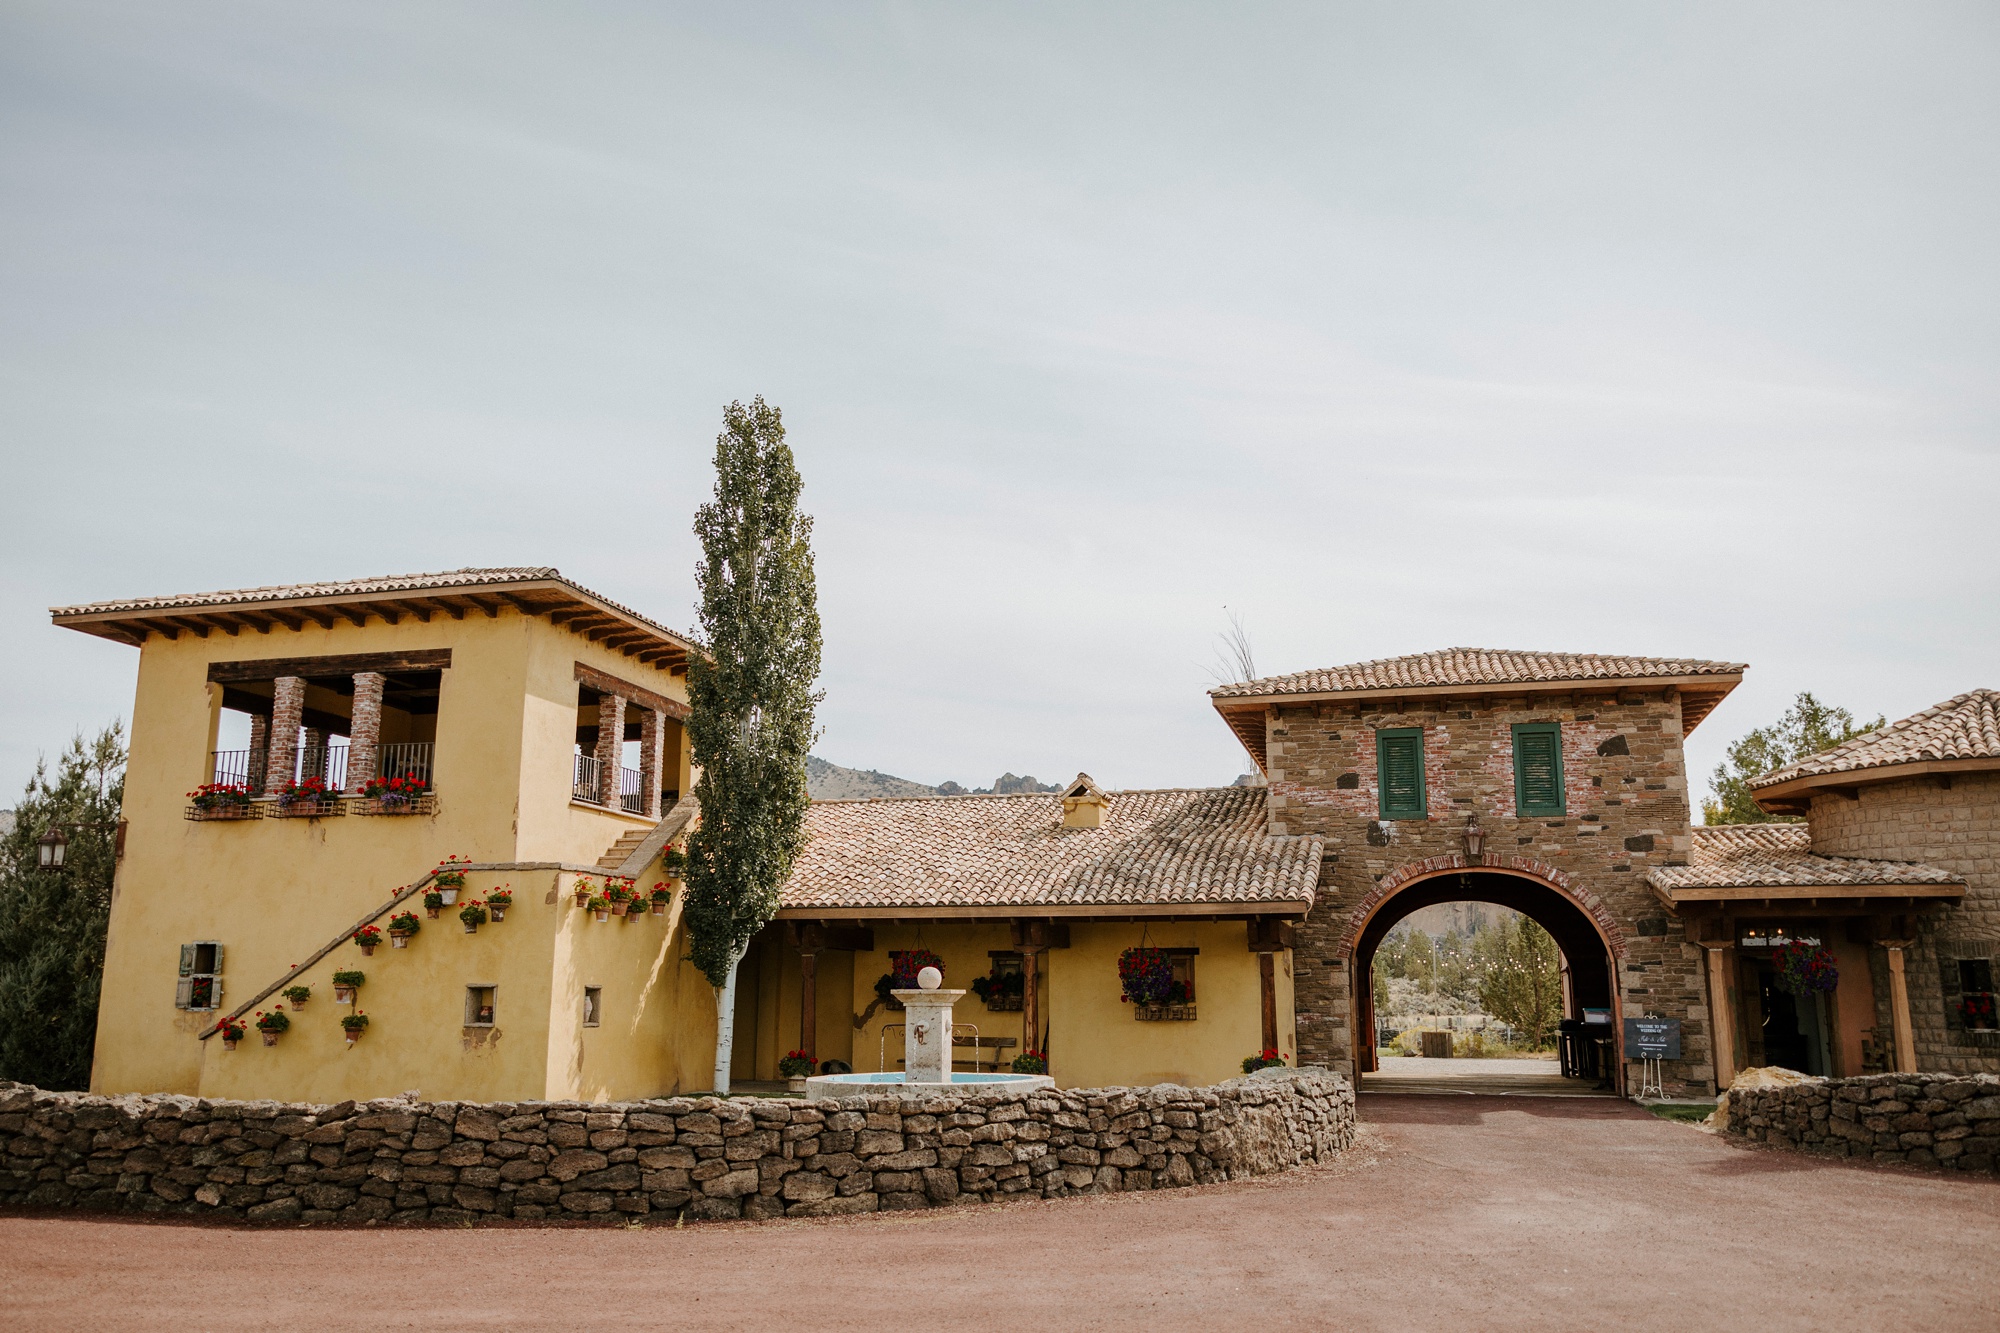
(926, 1052)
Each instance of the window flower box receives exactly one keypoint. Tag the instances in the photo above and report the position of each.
(396, 796)
(309, 798)
(1164, 1013)
(222, 800)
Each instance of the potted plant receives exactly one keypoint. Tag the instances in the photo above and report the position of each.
(1145, 979)
(619, 890)
(472, 914)
(220, 800)
(1976, 1011)
(231, 1030)
(298, 995)
(601, 908)
(433, 902)
(1002, 991)
(796, 1067)
(674, 861)
(449, 878)
(273, 1024)
(345, 984)
(1268, 1058)
(662, 895)
(354, 1025)
(397, 795)
(367, 937)
(401, 927)
(1031, 1062)
(1805, 969)
(498, 901)
(308, 796)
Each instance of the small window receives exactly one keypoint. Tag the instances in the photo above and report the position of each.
(479, 1006)
(1399, 770)
(1538, 769)
(593, 1005)
(200, 983)
(1976, 1009)
(1179, 1006)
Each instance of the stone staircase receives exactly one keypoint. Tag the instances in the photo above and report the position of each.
(621, 850)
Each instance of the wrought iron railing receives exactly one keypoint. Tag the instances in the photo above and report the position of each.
(229, 766)
(324, 761)
(632, 790)
(407, 759)
(585, 783)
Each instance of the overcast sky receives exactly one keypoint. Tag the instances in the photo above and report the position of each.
(1664, 330)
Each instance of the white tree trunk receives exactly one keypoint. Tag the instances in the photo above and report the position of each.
(725, 1027)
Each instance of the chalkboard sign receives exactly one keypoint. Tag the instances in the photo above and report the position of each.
(1652, 1039)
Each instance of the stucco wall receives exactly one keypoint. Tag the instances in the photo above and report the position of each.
(272, 891)
(1626, 812)
(410, 1160)
(1954, 824)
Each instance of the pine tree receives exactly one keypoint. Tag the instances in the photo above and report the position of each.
(52, 922)
(1806, 729)
(752, 700)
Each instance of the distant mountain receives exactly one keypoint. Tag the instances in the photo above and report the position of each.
(831, 782)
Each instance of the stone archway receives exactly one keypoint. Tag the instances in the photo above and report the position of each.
(1590, 938)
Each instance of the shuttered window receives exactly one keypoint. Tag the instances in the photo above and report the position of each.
(199, 985)
(1399, 771)
(1538, 769)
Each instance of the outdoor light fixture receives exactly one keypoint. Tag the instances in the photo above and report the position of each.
(52, 846)
(1475, 837)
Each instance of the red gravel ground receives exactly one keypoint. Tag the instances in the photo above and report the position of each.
(1472, 1212)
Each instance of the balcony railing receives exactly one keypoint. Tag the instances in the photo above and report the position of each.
(404, 759)
(324, 761)
(584, 782)
(231, 767)
(407, 759)
(632, 790)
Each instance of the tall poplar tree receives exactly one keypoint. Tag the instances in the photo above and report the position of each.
(752, 698)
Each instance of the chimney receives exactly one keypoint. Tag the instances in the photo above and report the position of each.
(1084, 805)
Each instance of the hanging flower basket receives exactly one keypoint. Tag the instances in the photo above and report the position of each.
(274, 1024)
(231, 1031)
(1145, 976)
(354, 1025)
(473, 914)
(298, 995)
(498, 901)
(1805, 969)
(367, 938)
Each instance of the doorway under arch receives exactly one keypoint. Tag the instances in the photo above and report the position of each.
(1587, 952)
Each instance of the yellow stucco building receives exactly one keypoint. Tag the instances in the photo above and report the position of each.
(303, 758)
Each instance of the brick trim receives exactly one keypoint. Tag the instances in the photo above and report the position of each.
(1526, 867)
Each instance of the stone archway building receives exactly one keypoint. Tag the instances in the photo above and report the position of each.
(1569, 769)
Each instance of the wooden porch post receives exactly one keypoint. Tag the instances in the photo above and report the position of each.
(1722, 1015)
(1899, 1008)
(1031, 1003)
(809, 1003)
(1267, 977)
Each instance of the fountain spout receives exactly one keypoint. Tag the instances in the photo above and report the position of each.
(927, 1030)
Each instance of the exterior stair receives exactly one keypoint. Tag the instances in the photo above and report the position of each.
(627, 844)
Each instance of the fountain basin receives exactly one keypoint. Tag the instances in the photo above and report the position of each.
(848, 1087)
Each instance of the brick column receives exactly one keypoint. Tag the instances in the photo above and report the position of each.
(288, 705)
(260, 745)
(652, 748)
(364, 738)
(610, 746)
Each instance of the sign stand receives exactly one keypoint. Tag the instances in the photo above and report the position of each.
(1649, 1084)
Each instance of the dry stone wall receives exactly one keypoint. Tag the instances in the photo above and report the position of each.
(705, 1157)
(1942, 1121)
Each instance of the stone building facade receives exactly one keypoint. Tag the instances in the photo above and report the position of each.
(1624, 809)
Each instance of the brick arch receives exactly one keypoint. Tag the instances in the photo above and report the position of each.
(1456, 863)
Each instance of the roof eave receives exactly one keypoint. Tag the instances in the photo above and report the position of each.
(1707, 690)
(1794, 795)
(1013, 911)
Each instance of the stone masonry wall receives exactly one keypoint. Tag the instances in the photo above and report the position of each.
(1627, 801)
(404, 1160)
(1955, 827)
(1942, 1121)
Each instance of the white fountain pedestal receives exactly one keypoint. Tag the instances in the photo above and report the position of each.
(927, 1034)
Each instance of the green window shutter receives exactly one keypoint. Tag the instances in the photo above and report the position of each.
(1538, 772)
(1399, 771)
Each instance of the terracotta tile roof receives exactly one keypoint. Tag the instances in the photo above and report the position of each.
(1965, 727)
(1730, 856)
(1473, 666)
(537, 581)
(1201, 847)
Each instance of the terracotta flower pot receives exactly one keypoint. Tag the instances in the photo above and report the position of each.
(618, 909)
(433, 912)
(472, 927)
(602, 914)
(298, 1005)
(228, 1044)
(355, 1036)
(367, 951)
(659, 909)
(797, 1083)
(499, 913)
(343, 994)
(450, 896)
(399, 941)
(270, 1038)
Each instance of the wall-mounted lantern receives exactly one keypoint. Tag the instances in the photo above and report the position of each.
(52, 847)
(1475, 837)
